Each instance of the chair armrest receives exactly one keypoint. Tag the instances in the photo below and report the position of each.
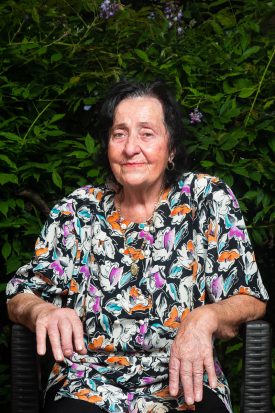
(25, 381)
(256, 389)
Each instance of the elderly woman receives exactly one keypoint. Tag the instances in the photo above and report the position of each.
(132, 281)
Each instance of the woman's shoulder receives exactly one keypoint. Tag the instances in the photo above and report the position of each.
(85, 197)
(201, 185)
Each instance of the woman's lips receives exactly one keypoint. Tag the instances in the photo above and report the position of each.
(133, 164)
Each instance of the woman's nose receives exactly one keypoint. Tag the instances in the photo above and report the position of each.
(131, 146)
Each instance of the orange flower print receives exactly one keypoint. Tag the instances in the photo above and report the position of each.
(244, 290)
(231, 255)
(180, 210)
(122, 361)
(174, 320)
(96, 343)
(84, 394)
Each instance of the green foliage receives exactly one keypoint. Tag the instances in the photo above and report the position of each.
(58, 59)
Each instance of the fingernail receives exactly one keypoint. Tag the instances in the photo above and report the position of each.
(189, 400)
(79, 348)
(59, 356)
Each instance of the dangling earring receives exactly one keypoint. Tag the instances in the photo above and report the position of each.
(170, 165)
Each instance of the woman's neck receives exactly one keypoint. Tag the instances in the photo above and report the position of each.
(138, 205)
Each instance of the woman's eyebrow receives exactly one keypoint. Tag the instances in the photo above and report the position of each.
(119, 126)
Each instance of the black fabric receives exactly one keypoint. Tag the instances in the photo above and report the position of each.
(210, 404)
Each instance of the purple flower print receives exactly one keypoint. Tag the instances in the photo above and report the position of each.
(92, 289)
(148, 380)
(149, 237)
(159, 281)
(56, 265)
(236, 233)
(186, 189)
(115, 275)
(85, 270)
(169, 239)
(96, 306)
(216, 286)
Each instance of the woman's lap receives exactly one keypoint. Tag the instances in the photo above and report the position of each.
(210, 404)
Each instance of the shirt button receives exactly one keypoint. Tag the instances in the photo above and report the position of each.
(123, 226)
(146, 253)
(141, 297)
(121, 250)
(116, 322)
(146, 228)
(141, 322)
(119, 296)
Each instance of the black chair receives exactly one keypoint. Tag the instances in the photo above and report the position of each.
(255, 393)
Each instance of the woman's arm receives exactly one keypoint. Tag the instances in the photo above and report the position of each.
(62, 325)
(192, 350)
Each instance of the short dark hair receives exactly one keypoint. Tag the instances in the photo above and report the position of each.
(126, 89)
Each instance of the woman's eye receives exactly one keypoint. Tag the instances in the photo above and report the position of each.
(118, 135)
(147, 134)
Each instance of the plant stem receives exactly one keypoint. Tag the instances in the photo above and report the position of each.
(34, 122)
(259, 88)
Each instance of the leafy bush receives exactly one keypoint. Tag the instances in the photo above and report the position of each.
(58, 59)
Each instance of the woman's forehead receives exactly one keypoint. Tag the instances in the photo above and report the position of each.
(142, 108)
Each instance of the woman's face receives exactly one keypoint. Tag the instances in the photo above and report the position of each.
(138, 144)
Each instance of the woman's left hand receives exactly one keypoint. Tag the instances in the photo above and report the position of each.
(192, 354)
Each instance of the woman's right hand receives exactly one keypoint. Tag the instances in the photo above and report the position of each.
(62, 326)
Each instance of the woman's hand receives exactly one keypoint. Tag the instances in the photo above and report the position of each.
(64, 328)
(192, 354)
(62, 325)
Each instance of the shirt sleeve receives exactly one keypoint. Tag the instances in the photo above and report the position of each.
(49, 273)
(230, 266)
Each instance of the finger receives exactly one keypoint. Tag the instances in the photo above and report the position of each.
(186, 376)
(55, 341)
(174, 371)
(210, 369)
(79, 336)
(198, 380)
(65, 331)
(41, 335)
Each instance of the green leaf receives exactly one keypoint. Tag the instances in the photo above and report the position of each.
(246, 92)
(79, 154)
(206, 164)
(6, 159)
(57, 117)
(249, 52)
(11, 136)
(6, 249)
(90, 144)
(5, 178)
(142, 55)
(56, 57)
(271, 143)
(35, 15)
(93, 173)
(241, 171)
(57, 180)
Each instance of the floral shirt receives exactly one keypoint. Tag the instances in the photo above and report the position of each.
(196, 251)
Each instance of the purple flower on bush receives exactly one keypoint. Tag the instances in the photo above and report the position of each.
(195, 116)
(174, 15)
(108, 9)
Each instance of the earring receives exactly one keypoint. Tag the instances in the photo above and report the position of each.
(170, 165)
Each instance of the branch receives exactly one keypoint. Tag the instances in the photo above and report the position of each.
(35, 199)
